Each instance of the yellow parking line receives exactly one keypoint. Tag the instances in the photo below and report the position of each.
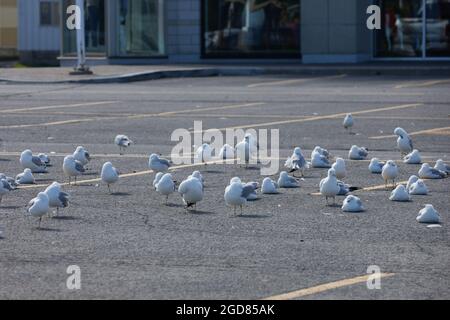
(315, 118)
(325, 287)
(421, 84)
(428, 131)
(289, 81)
(87, 104)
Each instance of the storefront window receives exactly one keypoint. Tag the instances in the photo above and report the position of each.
(140, 27)
(438, 28)
(251, 28)
(94, 28)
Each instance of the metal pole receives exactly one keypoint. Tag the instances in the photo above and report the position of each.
(81, 67)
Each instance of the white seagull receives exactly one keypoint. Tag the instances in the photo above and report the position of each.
(339, 168)
(418, 188)
(236, 196)
(197, 175)
(358, 153)
(297, 162)
(5, 188)
(427, 172)
(72, 168)
(352, 204)
(44, 158)
(269, 186)
(320, 158)
(329, 186)
(123, 142)
(348, 122)
(376, 166)
(204, 153)
(158, 164)
(109, 175)
(166, 186)
(442, 166)
(411, 180)
(191, 190)
(82, 155)
(286, 181)
(400, 194)
(249, 185)
(12, 182)
(158, 177)
(28, 161)
(39, 206)
(389, 172)
(57, 198)
(413, 157)
(404, 142)
(227, 152)
(26, 177)
(428, 215)
(246, 149)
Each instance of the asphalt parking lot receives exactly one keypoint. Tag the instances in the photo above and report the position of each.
(129, 245)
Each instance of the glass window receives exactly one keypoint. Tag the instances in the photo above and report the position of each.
(140, 27)
(49, 13)
(401, 32)
(438, 28)
(94, 19)
(251, 28)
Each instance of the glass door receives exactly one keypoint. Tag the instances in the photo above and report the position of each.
(438, 28)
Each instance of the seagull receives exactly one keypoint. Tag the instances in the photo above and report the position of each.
(269, 186)
(57, 198)
(286, 181)
(427, 172)
(26, 177)
(44, 158)
(5, 188)
(249, 185)
(348, 122)
(109, 175)
(157, 178)
(404, 142)
(358, 153)
(236, 196)
(158, 164)
(12, 182)
(442, 166)
(319, 158)
(339, 168)
(82, 155)
(243, 151)
(329, 186)
(197, 175)
(166, 186)
(204, 153)
(191, 190)
(297, 162)
(72, 168)
(123, 142)
(227, 152)
(352, 204)
(389, 172)
(400, 194)
(428, 215)
(39, 206)
(376, 166)
(418, 188)
(27, 160)
(411, 180)
(413, 157)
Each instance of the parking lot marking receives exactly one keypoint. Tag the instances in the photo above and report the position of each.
(289, 81)
(86, 104)
(325, 287)
(323, 117)
(437, 131)
(421, 84)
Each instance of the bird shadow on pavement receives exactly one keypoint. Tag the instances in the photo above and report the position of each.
(66, 218)
(11, 207)
(199, 212)
(254, 216)
(174, 205)
(5, 160)
(121, 194)
(48, 229)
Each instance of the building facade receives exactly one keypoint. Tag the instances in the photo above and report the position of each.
(191, 31)
(8, 28)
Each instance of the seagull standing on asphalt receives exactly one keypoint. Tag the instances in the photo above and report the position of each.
(166, 186)
(5, 188)
(352, 204)
(413, 157)
(404, 142)
(442, 166)
(82, 155)
(109, 175)
(26, 177)
(286, 181)
(428, 215)
(204, 153)
(197, 175)
(339, 168)
(269, 186)
(57, 198)
(348, 122)
(72, 168)
(427, 172)
(191, 190)
(376, 166)
(235, 195)
(389, 172)
(123, 142)
(250, 186)
(158, 177)
(297, 162)
(244, 150)
(28, 161)
(357, 153)
(39, 206)
(227, 152)
(329, 186)
(158, 164)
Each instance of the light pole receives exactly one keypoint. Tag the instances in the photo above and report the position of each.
(81, 67)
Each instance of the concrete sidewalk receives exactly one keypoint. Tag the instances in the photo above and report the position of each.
(131, 73)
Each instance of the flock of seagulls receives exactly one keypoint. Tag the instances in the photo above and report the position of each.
(238, 193)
